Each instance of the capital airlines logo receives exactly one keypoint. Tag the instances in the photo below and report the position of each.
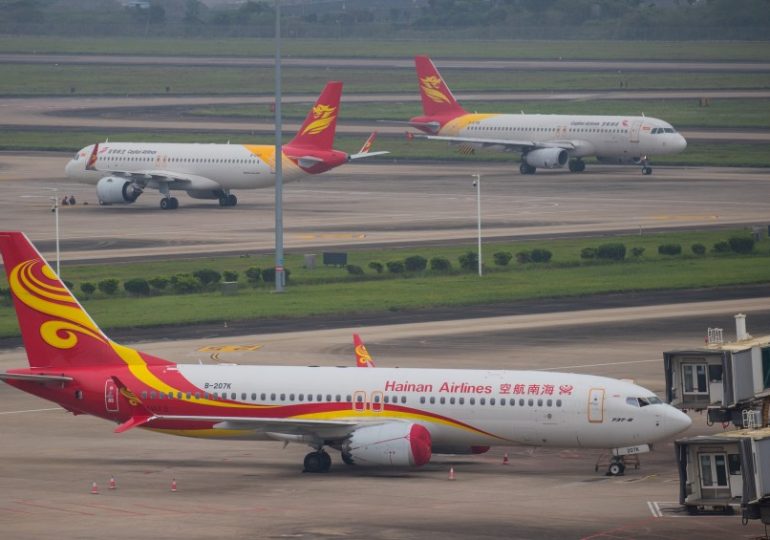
(431, 87)
(323, 116)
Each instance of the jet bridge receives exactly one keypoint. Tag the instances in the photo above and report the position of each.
(726, 471)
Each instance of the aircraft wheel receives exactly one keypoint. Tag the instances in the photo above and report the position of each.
(616, 468)
(223, 200)
(165, 203)
(315, 462)
(526, 168)
(174, 202)
(577, 165)
(646, 171)
(232, 200)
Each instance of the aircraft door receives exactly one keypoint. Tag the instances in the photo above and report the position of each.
(111, 396)
(634, 133)
(596, 405)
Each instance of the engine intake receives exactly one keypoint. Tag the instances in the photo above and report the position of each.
(392, 444)
(116, 190)
(547, 158)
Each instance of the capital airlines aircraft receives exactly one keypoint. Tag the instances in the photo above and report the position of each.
(544, 140)
(382, 416)
(122, 171)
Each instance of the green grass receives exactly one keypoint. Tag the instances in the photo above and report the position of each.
(451, 48)
(61, 79)
(565, 276)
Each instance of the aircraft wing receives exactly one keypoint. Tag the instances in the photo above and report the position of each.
(323, 429)
(157, 176)
(510, 144)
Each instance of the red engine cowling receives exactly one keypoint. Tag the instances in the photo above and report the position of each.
(392, 444)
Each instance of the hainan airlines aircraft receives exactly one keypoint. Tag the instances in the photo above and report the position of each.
(382, 416)
(544, 140)
(123, 171)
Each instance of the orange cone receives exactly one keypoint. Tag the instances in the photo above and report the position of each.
(173, 484)
(112, 484)
(505, 459)
(94, 489)
(451, 473)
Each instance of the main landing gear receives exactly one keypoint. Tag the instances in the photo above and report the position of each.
(317, 462)
(577, 165)
(169, 203)
(526, 168)
(228, 199)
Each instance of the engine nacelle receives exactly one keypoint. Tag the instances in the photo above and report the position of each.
(392, 444)
(116, 190)
(547, 158)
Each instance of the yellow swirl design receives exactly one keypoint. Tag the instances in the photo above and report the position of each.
(435, 95)
(317, 126)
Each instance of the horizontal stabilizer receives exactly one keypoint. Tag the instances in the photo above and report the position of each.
(362, 155)
(35, 378)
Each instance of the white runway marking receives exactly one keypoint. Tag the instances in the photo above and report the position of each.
(32, 410)
(577, 366)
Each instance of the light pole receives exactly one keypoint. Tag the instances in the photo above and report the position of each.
(279, 273)
(55, 209)
(477, 184)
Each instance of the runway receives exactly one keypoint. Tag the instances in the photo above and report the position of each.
(244, 490)
(383, 203)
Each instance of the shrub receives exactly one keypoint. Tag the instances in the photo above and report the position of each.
(158, 283)
(415, 263)
(613, 251)
(137, 286)
(253, 274)
(108, 286)
(376, 266)
(88, 288)
(185, 284)
(502, 258)
(469, 261)
(68, 284)
(588, 253)
(721, 247)
(637, 252)
(698, 249)
(354, 270)
(741, 244)
(440, 264)
(670, 249)
(524, 257)
(541, 255)
(229, 275)
(395, 267)
(207, 276)
(5, 294)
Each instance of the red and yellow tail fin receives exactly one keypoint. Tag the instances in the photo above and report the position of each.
(57, 331)
(318, 129)
(363, 359)
(437, 99)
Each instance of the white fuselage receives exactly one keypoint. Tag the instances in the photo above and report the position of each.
(460, 408)
(623, 138)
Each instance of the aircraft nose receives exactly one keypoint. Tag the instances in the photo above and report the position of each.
(69, 167)
(681, 143)
(676, 421)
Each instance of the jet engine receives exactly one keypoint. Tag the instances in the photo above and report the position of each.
(392, 444)
(547, 158)
(116, 190)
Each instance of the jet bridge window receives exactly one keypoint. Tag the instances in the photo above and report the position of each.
(694, 378)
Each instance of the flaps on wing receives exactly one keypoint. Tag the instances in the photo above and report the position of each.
(35, 378)
(327, 429)
(506, 143)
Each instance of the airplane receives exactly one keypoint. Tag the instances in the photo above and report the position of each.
(376, 417)
(546, 141)
(363, 358)
(122, 171)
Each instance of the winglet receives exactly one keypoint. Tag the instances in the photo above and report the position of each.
(363, 359)
(368, 144)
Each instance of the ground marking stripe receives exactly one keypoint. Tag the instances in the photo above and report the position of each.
(32, 410)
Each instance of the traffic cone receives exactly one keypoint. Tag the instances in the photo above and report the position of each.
(173, 484)
(505, 458)
(94, 489)
(451, 473)
(112, 484)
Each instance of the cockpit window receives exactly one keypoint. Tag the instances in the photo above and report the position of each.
(643, 401)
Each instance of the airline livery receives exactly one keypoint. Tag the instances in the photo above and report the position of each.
(380, 416)
(123, 171)
(544, 140)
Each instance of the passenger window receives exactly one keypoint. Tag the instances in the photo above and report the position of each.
(253, 397)
(549, 402)
(348, 398)
(387, 399)
(531, 402)
(472, 401)
(482, 401)
(403, 399)
(432, 400)
(152, 395)
(451, 401)
(539, 402)
(422, 399)
(442, 400)
(291, 397)
(512, 401)
(558, 403)
(189, 395)
(272, 397)
(521, 402)
(243, 396)
(144, 395)
(339, 397)
(462, 400)
(197, 395)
